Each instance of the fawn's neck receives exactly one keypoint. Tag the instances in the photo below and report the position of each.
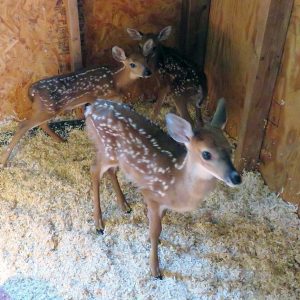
(122, 78)
(193, 183)
(156, 58)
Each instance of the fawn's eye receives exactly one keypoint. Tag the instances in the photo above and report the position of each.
(206, 155)
(132, 65)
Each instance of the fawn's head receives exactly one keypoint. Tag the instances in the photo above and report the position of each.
(208, 149)
(148, 42)
(135, 63)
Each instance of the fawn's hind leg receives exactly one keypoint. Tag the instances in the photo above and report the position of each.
(116, 186)
(37, 118)
(50, 132)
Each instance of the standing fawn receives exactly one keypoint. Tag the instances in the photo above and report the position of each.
(56, 94)
(174, 171)
(178, 76)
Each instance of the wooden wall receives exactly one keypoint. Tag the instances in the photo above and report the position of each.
(33, 44)
(35, 39)
(233, 49)
(230, 49)
(105, 22)
(280, 154)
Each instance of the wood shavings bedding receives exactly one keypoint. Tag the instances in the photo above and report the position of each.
(242, 243)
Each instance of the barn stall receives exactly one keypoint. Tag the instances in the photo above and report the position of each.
(241, 243)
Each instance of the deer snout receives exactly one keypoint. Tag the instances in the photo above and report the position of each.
(147, 72)
(234, 178)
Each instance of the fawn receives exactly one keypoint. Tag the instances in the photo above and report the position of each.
(56, 94)
(174, 171)
(178, 76)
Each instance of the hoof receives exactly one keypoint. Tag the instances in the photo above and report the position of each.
(159, 277)
(100, 231)
(129, 211)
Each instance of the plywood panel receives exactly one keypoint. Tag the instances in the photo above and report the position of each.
(106, 22)
(230, 50)
(33, 44)
(280, 154)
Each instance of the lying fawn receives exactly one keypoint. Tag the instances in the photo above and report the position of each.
(56, 94)
(174, 171)
(178, 76)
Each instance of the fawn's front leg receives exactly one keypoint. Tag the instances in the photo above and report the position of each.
(182, 108)
(95, 177)
(162, 94)
(154, 216)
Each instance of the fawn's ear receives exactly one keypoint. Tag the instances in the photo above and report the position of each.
(148, 47)
(118, 54)
(179, 129)
(220, 116)
(164, 33)
(135, 34)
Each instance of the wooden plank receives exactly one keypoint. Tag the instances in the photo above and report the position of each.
(74, 43)
(74, 32)
(280, 154)
(193, 29)
(261, 81)
(232, 31)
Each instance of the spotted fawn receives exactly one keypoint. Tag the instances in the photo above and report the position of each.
(178, 77)
(56, 94)
(172, 171)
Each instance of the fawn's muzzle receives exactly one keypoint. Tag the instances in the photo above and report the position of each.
(147, 72)
(234, 177)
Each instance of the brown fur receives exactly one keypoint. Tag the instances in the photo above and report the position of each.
(53, 95)
(168, 174)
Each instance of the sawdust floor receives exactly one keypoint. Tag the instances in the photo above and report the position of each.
(242, 243)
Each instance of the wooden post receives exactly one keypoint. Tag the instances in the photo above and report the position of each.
(74, 32)
(261, 82)
(194, 28)
(74, 42)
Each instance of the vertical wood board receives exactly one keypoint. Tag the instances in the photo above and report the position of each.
(280, 154)
(74, 32)
(272, 30)
(230, 50)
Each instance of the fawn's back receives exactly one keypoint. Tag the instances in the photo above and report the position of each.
(183, 75)
(84, 86)
(143, 151)
(57, 91)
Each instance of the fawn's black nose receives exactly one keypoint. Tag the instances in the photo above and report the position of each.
(147, 72)
(235, 177)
